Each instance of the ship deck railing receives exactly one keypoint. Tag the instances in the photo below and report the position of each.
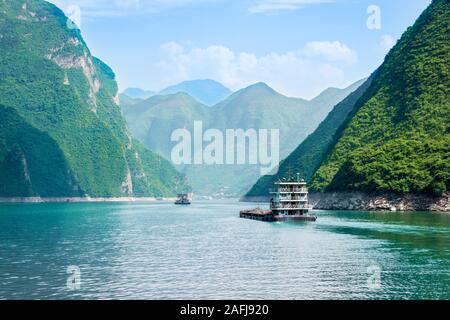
(293, 207)
(290, 183)
(288, 190)
(287, 199)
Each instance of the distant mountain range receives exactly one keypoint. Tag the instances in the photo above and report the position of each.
(136, 93)
(256, 107)
(152, 121)
(61, 129)
(389, 142)
(208, 92)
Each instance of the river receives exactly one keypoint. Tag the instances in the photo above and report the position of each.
(157, 250)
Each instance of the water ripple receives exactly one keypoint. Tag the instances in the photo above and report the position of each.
(159, 251)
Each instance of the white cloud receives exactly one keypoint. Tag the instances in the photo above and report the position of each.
(302, 73)
(267, 6)
(387, 42)
(330, 50)
(106, 8)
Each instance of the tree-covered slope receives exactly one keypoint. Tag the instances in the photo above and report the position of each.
(309, 155)
(27, 153)
(126, 102)
(74, 141)
(152, 121)
(398, 137)
(261, 107)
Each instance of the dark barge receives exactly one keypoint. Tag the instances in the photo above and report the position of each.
(269, 216)
(258, 214)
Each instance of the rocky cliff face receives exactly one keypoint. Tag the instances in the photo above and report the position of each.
(365, 202)
(381, 202)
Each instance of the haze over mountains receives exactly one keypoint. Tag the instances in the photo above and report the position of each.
(136, 93)
(152, 121)
(208, 92)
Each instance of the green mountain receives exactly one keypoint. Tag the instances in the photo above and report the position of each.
(398, 137)
(310, 154)
(152, 121)
(208, 92)
(256, 107)
(127, 102)
(261, 107)
(395, 138)
(61, 129)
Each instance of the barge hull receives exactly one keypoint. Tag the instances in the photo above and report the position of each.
(260, 215)
(269, 216)
(295, 218)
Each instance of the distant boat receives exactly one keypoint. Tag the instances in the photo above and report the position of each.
(289, 202)
(184, 199)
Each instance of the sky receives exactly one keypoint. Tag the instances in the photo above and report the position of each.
(298, 47)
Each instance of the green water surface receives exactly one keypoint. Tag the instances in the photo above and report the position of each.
(205, 251)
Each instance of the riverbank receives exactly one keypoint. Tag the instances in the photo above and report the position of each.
(84, 199)
(370, 202)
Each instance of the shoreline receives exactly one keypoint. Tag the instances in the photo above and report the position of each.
(359, 201)
(81, 199)
(352, 201)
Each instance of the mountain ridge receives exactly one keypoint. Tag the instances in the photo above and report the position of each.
(392, 151)
(137, 93)
(66, 102)
(307, 156)
(206, 91)
(408, 108)
(255, 107)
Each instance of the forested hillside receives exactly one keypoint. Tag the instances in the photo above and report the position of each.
(61, 128)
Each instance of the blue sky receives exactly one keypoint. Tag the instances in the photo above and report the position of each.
(299, 47)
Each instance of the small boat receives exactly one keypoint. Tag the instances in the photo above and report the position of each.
(289, 203)
(183, 199)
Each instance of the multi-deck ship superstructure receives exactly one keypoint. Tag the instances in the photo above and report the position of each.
(289, 202)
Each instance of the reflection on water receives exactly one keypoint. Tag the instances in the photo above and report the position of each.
(160, 251)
